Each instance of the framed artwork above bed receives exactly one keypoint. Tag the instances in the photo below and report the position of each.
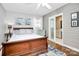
(23, 21)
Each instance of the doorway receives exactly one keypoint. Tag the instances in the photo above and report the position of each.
(59, 27)
(55, 28)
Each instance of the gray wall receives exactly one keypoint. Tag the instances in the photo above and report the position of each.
(2, 25)
(70, 34)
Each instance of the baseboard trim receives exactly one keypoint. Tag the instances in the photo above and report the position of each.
(72, 48)
(75, 49)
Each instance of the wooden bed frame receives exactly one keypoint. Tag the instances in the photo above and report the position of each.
(25, 47)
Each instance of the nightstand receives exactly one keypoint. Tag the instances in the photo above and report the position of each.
(8, 35)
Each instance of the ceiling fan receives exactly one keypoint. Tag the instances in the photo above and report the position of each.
(43, 5)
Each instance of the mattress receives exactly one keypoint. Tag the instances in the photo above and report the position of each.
(24, 37)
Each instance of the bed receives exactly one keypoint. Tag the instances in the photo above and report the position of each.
(25, 44)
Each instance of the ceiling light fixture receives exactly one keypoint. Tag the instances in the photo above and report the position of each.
(43, 5)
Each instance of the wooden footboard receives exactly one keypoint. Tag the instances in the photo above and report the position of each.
(26, 47)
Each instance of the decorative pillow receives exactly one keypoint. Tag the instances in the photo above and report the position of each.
(26, 31)
(16, 32)
(29, 31)
(41, 32)
(22, 31)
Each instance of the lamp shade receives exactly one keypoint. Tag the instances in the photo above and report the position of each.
(9, 26)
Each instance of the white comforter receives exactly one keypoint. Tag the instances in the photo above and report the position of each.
(24, 37)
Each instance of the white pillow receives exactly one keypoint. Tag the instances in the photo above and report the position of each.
(16, 32)
(40, 32)
(29, 31)
(22, 31)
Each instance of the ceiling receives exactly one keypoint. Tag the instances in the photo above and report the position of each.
(31, 8)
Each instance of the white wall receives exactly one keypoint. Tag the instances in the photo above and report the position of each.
(12, 16)
(70, 34)
(2, 25)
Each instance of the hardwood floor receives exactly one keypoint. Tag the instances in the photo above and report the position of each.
(67, 51)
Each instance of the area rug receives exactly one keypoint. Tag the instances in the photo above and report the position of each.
(53, 52)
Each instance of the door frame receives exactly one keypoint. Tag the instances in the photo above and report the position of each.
(49, 37)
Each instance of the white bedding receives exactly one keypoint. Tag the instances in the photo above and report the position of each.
(24, 37)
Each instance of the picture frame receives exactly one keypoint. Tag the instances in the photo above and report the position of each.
(28, 21)
(19, 21)
(74, 23)
(74, 15)
(75, 19)
(23, 21)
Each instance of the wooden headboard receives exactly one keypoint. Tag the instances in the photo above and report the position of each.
(18, 28)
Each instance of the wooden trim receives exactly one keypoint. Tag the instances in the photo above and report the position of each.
(18, 28)
(22, 40)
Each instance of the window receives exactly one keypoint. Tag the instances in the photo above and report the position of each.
(38, 23)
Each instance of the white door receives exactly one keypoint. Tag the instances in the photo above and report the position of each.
(51, 28)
